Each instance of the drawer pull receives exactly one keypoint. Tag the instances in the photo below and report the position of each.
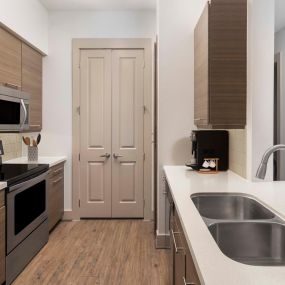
(174, 241)
(57, 180)
(58, 170)
(11, 85)
(189, 283)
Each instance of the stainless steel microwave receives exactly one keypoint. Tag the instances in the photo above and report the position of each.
(14, 110)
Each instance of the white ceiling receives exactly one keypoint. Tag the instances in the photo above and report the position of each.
(100, 4)
(279, 14)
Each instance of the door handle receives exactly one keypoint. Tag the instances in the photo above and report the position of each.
(106, 155)
(116, 156)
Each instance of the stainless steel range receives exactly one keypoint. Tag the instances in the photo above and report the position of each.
(26, 216)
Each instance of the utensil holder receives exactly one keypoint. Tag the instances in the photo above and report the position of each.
(32, 153)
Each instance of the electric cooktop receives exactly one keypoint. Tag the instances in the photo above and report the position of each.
(17, 173)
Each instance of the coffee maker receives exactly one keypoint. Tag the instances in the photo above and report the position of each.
(210, 144)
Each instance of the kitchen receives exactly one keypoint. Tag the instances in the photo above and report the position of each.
(105, 109)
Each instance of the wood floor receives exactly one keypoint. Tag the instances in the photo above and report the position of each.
(105, 252)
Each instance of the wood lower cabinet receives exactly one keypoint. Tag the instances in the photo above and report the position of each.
(184, 271)
(55, 194)
(32, 83)
(10, 60)
(2, 237)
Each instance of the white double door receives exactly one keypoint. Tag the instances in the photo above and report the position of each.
(111, 128)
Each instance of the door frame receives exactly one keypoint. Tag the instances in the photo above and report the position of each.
(100, 43)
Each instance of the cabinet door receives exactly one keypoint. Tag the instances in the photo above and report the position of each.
(191, 273)
(2, 245)
(179, 259)
(55, 195)
(201, 67)
(10, 60)
(32, 83)
(228, 61)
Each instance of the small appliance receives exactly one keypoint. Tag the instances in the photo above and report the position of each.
(14, 110)
(210, 144)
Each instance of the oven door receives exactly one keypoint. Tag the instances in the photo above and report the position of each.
(14, 113)
(26, 209)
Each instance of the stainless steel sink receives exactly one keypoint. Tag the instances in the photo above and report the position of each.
(224, 206)
(253, 243)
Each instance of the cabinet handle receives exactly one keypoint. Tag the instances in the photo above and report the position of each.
(58, 170)
(198, 119)
(57, 180)
(189, 283)
(174, 241)
(11, 85)
(35, 126)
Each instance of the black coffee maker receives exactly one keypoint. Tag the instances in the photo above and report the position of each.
(210, 144)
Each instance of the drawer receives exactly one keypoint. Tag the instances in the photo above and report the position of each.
(2, 198)
(57, 170)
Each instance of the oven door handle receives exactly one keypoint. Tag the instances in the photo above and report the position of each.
(25, 114)
(29, 183)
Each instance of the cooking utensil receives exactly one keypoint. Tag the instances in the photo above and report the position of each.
(35, 143)
(26, 141)
(39, 139)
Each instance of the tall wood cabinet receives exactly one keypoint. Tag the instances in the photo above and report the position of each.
(220, 65)
(2, 237)
(10, 60)
(32, 83)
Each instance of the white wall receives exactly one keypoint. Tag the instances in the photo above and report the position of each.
(28, 19)
(260, 84)
(176, 23)
(280, 48)
(57, 73)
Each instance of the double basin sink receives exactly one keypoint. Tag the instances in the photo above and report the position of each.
(243, 228)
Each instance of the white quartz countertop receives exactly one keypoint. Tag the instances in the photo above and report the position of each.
(3, 185)
(214, 268)
(51, 160)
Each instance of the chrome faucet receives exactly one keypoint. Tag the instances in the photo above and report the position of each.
(261, 171)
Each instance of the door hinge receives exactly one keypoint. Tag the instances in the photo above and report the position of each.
(143, 65)
(144, 108)
(144, 156)
(78, 110)
(79, 156)
(79, 203)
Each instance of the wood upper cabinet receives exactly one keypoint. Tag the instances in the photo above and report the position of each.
(220, 65)
(32, 83)
(2, 237)
(10, 60)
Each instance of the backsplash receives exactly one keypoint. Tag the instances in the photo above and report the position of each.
(12, 145)
(237, 152)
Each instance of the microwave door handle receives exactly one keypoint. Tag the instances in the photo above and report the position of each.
(25, 114)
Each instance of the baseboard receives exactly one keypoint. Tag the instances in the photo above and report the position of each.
(162, 241)
(68, 215)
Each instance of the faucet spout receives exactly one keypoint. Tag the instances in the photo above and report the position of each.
(261, 171)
